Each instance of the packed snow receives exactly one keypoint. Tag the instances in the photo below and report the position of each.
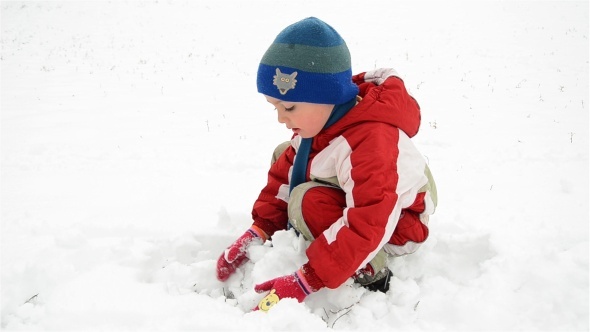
(134, 143)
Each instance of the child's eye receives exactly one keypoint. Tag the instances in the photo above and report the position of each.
(289, 109)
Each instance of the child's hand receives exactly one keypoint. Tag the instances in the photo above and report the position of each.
(235, 255)
(297, 285)
(292, 286)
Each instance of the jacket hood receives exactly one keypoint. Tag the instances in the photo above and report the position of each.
(385, 100)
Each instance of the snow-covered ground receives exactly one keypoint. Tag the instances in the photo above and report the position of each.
(133, 144)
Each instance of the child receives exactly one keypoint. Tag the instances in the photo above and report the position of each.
(350, 180)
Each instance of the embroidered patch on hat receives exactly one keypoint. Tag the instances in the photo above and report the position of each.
(284, 82)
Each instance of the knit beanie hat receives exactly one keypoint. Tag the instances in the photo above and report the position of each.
(307, 62)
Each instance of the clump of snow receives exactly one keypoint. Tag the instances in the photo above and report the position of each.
(134, 143)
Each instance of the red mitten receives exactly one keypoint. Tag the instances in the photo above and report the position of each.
(297, 285)
(235, 255)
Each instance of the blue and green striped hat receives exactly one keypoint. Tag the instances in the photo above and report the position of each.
(307, 62)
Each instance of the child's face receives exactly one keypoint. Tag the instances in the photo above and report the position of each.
(305, 119)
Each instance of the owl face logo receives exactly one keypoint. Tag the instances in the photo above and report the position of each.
(268, 301)
(284, 82)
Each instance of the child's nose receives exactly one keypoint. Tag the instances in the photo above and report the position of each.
(281, 116)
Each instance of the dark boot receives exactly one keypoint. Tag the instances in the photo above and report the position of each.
(379, 282)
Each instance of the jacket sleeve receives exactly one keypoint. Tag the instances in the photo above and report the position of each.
(270, 208)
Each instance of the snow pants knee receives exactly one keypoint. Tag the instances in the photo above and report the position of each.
(313, 207)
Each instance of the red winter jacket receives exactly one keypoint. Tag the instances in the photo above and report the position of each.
(370, 154)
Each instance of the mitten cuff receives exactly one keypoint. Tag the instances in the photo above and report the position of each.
(309, 278)
(258, 232)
